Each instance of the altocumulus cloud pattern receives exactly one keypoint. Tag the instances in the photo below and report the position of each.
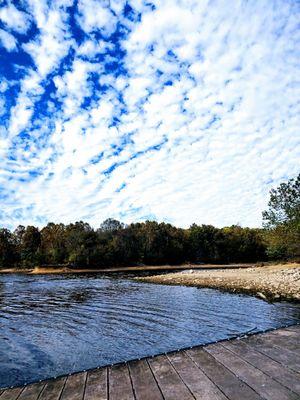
(182, 111)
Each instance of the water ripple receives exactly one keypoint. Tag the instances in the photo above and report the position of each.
(52, 325)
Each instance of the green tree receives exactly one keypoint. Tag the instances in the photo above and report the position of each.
(160, 243)
(242, 245)
(81, 241)
(111, 225)
(282, 220)
(125, 247)
(205, 243)
(18, 233)
(53, 246)
(8, 249)
(30, 246)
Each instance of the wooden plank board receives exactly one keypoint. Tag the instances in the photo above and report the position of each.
(74, 387)
(226, 381)
(32, 392)
(283, 356)
(293, 328)
(264, 385)
(170, 383)
(144, 384)
(96, 385)
(53, 389)
(286, 337)
(199, 384)
(286, 377)
(120, 386)
(281, 332)
(283, 339)
(11, 394)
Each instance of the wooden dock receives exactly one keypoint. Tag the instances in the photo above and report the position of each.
(263, 366)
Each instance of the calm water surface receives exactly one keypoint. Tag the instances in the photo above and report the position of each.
(53, 325)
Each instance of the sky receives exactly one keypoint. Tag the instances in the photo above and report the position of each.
(183, 111)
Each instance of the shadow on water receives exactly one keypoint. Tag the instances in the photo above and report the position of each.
(58, 324)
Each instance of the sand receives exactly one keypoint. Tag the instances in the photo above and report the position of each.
(66, 270)
(270, 282)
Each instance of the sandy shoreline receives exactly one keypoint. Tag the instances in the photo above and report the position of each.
(271, 282)
(65, 270)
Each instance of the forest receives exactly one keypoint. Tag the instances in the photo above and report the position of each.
(78, 245)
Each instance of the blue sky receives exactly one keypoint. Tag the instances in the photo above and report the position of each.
(176, 110)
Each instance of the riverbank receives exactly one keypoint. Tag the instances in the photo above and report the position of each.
(66, 270)
(270, 282)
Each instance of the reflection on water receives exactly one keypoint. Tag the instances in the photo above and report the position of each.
(53, 325)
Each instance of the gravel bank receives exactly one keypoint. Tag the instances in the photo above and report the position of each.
(271, 282)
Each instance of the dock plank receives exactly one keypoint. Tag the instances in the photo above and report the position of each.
(74, 387)
(264, 385)
(293, 328)
(199, 384)
(226, 381)
(170, 383)
(32, 392)
(53, 389)
(279, 354)
(283, 375)
(283, 338)
(96, 385)
(144, 384)
(11, 394)
(120, 386)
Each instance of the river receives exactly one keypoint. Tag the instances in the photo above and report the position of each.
(57, 324)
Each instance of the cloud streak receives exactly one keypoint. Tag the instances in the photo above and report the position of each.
(176, 111)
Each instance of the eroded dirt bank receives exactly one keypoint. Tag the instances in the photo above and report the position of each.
(271, 282)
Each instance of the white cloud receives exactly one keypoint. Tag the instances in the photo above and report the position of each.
(73, 87)
(205, 104)
(3, 86)
(54, 40)
(20, 116)
(91, 48)
(47, 50)
(94, 15)
(8, 40)
(21, 113)
(14, 19)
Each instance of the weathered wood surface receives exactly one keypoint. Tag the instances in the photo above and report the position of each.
(52, 390)
(259, 367)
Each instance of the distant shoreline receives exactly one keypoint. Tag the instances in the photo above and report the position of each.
(66, 270)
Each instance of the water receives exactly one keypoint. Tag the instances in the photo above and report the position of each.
(57, 324)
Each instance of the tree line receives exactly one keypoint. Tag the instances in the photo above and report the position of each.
(78, 245)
